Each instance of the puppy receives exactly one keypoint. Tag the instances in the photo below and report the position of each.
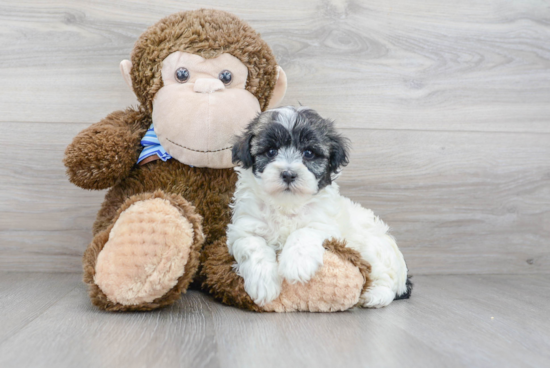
(286, 204)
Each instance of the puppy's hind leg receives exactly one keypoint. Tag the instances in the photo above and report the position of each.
(378, 296)
(408, 292)
(389, 282)
(369, 235)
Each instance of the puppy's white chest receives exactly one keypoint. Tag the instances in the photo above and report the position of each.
(284, 226)
(281, 225)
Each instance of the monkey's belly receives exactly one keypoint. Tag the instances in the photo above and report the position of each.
(209, 190)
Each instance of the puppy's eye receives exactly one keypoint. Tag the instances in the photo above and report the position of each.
(308, 155)
(182, 75)
(226, 77)
(272, 153)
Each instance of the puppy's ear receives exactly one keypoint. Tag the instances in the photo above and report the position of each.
(339, 150)
(241, 150)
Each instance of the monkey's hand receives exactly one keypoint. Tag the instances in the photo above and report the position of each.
(106, 151)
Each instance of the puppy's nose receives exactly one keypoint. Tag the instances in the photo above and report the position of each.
(288, 176)
(208, 85)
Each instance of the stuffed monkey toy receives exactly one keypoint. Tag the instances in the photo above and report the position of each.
(200, 77)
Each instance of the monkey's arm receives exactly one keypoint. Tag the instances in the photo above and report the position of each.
(106, 151)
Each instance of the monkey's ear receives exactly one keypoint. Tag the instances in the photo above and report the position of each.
(279, 90)
(125, 67)
(241, 150)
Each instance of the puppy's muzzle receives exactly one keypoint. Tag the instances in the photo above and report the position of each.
(288, 176)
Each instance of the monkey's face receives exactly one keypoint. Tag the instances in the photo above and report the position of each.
(201, 106)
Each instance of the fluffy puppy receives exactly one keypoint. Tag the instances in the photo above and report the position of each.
(287, 204)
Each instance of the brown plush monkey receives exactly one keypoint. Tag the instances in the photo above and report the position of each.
(199, 76)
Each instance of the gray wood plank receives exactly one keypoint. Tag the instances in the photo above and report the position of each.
(430, 65)
(74, 334)
(457, 202)
(25, 296)
(446, 323)
(348, 339)
(451, 321)
(482, 321)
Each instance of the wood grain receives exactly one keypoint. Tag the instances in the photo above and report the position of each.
(450, 321)
(428, 65)
(175, 336)
(446, 103)
(457, 202)
(24, 297)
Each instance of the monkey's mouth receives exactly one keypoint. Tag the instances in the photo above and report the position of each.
(199, 151)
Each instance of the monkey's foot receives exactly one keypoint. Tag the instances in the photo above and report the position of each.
(147, 258)
(336, 286)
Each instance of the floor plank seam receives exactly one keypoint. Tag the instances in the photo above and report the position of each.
(37, 316)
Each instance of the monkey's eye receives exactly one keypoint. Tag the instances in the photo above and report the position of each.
(182, 75)
(226, 77)
(308, 155)
(272, 153)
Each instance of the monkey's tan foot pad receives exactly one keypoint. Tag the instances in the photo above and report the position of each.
(145, 254)
(336, 286)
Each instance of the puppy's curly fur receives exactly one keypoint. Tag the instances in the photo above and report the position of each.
(286, 205)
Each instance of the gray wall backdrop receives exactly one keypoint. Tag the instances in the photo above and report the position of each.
(447, 104)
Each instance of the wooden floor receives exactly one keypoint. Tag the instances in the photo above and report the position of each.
(46, 320)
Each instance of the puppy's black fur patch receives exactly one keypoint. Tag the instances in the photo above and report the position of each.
(406, 294)
(301, 130)
(240, 152)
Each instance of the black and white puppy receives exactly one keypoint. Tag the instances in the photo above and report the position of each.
(287, 204)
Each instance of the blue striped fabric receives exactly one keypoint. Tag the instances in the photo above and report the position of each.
(152, 146)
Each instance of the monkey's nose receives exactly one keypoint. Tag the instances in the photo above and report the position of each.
(288, 176)
(208, 85)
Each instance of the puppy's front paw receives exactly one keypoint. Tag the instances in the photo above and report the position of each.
(300, 262)
(261, 281)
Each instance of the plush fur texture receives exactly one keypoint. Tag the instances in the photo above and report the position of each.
(347, 281)
(207, 33)
(208, 193)
(90, 258)
(147, 252)
(337, 287)
(106, 151)
(286, 205)
(104, 156)
(209, 190)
